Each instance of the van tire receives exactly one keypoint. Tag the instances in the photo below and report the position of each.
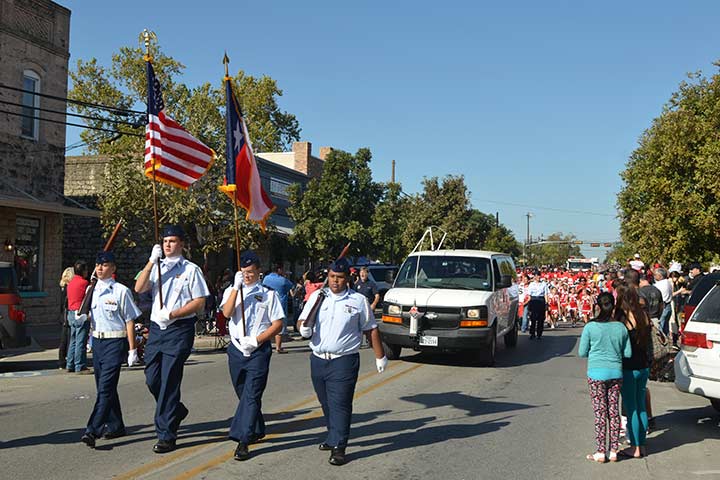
(486, 356)
(511, 337)
(392, 352)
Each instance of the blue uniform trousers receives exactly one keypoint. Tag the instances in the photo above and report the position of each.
(165, 355)
(249, 377)
(334, 382)
(108, 357)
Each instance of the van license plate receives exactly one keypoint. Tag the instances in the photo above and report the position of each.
(428, 341)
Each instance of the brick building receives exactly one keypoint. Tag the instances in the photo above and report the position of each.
(34, 53)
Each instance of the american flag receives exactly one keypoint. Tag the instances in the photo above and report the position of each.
(179, 158)
(242, 178)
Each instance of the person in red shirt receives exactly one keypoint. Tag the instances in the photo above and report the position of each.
(79, 324)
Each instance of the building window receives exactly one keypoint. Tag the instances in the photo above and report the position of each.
(279, 188)
(28, 253)
(30, 103)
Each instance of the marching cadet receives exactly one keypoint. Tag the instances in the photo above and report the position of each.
(336, 335)
(250, 348)
(113, 315)
(172, 329)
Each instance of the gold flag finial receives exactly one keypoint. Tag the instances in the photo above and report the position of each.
(146, 36)
(226, 61)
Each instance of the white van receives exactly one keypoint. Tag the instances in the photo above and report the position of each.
(450, 301)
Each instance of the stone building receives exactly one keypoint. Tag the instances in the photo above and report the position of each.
(34, 53)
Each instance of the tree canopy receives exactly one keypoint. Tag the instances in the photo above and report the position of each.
(670, 201)
(337, 207)
(127, 194)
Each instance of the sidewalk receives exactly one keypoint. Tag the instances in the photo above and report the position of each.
(37, 357)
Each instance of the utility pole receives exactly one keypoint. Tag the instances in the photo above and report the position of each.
(527, 238)
(392, 174)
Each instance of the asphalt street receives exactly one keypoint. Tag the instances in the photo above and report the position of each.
(426, 417)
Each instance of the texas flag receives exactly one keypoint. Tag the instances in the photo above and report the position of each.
(242, 179)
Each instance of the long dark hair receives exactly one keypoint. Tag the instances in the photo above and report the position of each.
(627, 304)
(606, 302)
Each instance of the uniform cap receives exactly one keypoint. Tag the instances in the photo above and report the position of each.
(105, 257)
(248, 257)
(637, 255)
(340, 265)
(174, 231)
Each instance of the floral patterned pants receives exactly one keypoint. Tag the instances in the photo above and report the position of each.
(605, 397)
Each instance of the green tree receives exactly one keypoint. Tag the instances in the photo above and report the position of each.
(501, 239)
(445, 205)
(479, 226)
(620, 253)
(388, 223)
(336, 208)
(670, 201)
(554, 253)
(127, 193)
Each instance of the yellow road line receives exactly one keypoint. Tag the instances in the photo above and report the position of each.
(186, 452)
(228, 455)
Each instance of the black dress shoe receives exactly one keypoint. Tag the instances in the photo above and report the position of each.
(324, 446)
(164, 446)
(337, 456)
(241, 452)
(88, 439)
(111, 435)
(254, 438)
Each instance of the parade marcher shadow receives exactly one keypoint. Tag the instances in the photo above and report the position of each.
(69, 436)
(422, 437)
(677, 428)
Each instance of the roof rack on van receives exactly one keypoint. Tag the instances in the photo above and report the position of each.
(429, 236)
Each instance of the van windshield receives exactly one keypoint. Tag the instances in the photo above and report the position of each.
(446, 272)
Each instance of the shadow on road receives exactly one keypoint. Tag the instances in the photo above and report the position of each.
(68, 436)
(472, 405)
(527, 352)
(683, 427)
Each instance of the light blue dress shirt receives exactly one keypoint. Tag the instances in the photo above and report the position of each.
(537, 289)
(341, 321)
(112, 307)
(262, 307)
(182, 281)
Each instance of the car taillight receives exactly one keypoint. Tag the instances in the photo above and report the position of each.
(699, 340)
(686, 313)
(16, 313)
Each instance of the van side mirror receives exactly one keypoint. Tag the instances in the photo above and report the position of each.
(505, 281)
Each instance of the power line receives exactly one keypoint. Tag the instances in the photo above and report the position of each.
(536, 207)
(72, 124)
(87, 117)
(119, 111)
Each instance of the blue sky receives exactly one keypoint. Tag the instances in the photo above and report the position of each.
(538, 104)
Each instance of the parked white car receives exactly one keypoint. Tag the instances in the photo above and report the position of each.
(450, 301)
(697, 365)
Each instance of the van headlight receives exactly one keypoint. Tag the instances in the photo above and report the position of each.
(394, 309)
(473, 313)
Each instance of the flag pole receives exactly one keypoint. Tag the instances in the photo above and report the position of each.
(147, 35)
(226, 62)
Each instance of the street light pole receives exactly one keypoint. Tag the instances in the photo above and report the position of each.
(527, 238)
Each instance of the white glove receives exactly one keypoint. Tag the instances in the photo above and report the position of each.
(248, 345)
(238, 280)
(381, 364)
(132, 357)
(306, 332)
(164, 314)
(156, 254)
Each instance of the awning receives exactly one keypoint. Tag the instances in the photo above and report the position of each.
(42, 206)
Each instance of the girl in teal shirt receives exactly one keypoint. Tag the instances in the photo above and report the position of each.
(605, 342)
